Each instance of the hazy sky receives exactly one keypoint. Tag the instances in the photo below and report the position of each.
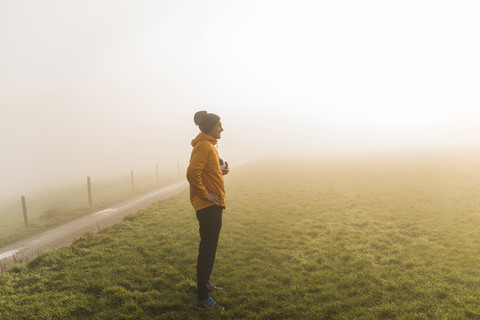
(89, 87)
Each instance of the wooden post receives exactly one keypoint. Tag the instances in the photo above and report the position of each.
(133, 185)
(158, 179)
(89, 188)
(24, 205)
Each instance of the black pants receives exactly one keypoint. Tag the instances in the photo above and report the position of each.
(210, 220)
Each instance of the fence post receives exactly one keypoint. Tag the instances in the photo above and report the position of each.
(158, 179)
(24, 206)
(133, 185)
(89, 188)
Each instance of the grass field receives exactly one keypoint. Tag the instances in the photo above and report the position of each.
(371, 239)
(54, 206)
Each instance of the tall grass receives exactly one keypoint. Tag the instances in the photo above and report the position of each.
(300, 240)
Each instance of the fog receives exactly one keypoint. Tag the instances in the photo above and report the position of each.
(104, 87)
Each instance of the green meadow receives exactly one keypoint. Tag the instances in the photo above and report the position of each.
(371, 238)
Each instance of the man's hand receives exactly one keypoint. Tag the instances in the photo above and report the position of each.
(226, 169)
(214, 197)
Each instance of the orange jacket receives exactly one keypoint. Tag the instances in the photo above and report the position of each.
(204, 173)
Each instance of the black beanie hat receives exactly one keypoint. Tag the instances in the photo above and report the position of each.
(205, 121)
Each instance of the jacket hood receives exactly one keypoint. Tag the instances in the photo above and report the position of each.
(203, 137)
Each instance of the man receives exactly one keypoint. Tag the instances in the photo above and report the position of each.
(207, 195)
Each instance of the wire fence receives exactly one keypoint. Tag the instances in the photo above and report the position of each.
(46, 208)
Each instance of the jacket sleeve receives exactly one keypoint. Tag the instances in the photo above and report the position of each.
(194, 172)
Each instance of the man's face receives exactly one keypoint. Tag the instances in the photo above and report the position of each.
(216, 131)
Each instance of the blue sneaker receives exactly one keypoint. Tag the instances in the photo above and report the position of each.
(211, 287)
(208, 304)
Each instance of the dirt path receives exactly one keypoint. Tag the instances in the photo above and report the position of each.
(25, 250)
